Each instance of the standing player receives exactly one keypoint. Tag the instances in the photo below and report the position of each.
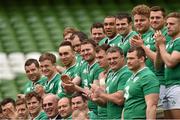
(97, 32)
(124, 28)
(115, 81)
(48, 68)
(142, 88)
(33, 72)
(111, 38)
(170, 55)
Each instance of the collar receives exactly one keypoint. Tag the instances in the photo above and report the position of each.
(134, 74)
(109, 40)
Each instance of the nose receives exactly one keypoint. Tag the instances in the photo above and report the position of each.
(108, 26)
(120, 26)
(63, 56)
(138, 22)
(75, 105)
(128, 61)
(96, 35)
(168, 26)
(111, 61)
(30, 72)
(21, 111)
(85, 52)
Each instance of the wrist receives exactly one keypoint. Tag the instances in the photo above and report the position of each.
(161, 46)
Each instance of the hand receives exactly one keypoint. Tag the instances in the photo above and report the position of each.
(102, 75)
(137, 41)
(160, 39)
(60, 69)
(40, 90)
(69, 87)
(97, 90)
(11, 112)
(66, 79)
(87, 93)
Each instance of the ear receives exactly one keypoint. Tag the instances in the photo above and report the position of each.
(142, 59)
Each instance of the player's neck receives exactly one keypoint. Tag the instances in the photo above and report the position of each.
(176, 36)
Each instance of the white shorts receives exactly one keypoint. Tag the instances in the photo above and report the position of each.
(161, 95)
(170, 97)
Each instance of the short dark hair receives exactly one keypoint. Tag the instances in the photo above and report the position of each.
(66, 43)
(48, 56)
(115, 49)
(89, 41)
(31, 61)
(104, 47)
(158, 8)
(8, 100)
(79, 95)
(140, 51)
(81, 35)
(30, 95)
(97, 25)
(123, 15)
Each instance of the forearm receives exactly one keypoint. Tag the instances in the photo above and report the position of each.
(76, 80)
(158, 61)
(166, 57)
(151, 112)
(100, 101)
(78, 88)
(112, 98)
(150, 54)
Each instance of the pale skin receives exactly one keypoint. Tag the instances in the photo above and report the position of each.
(142, 24)
(116, 97)
(151, 102)
(171, 60)
(116, 62)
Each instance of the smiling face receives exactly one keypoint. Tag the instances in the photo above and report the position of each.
(78, 103)
(88, 52)
(122, 26)
(97, 34)
(47, 68)
(67, 56)
(64, 107)
(34, 106)
(50, 106)
(33, 73)
(141, 23)
(115, 60)
(157, 20)
(110, 27)
(101, 58)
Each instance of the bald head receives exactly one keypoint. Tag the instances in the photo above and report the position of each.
(64, 107)
(50, 102)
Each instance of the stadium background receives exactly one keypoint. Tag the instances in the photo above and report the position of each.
(30, 27)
